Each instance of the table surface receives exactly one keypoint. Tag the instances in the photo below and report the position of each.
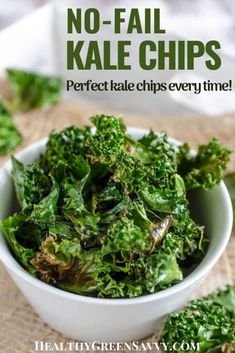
(20, 325)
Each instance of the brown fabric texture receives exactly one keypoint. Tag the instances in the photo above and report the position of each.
(20, 326)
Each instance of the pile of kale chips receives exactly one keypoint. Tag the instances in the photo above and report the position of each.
(209, 322)
(105, 215)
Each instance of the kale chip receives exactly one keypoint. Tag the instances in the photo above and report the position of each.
(206, 167)
(31, 90)
(209, 322)
(10, 137)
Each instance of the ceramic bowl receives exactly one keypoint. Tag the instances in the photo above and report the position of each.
(111, 320)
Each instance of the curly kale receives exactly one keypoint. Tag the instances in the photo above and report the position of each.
(10, 137)
(206, 167)
(105, 215)
(65, 146)
(209, 322)
(31, 90)
(31, 183)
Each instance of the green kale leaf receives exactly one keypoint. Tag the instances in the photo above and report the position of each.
(31, 183)
(206, 168)
(65, 146)
(44, 213)
(108, 142)
(31, 90)
(10, 137)
(54, 259)
(12, 226)
(210, 322)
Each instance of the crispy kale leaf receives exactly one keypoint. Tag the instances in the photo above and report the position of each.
(31, 90)
(14, 228)
(206, 168)
(55, 259)
(65, 146)
(10, 137)
(108, 142)
(209, 321)
(44, 212)
(31, 183)
(108, 215)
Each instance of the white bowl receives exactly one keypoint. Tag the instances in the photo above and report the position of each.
(108, 320)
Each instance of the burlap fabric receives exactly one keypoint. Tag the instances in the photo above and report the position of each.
(20, 326)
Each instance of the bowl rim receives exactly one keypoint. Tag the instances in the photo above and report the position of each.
(198, 273)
